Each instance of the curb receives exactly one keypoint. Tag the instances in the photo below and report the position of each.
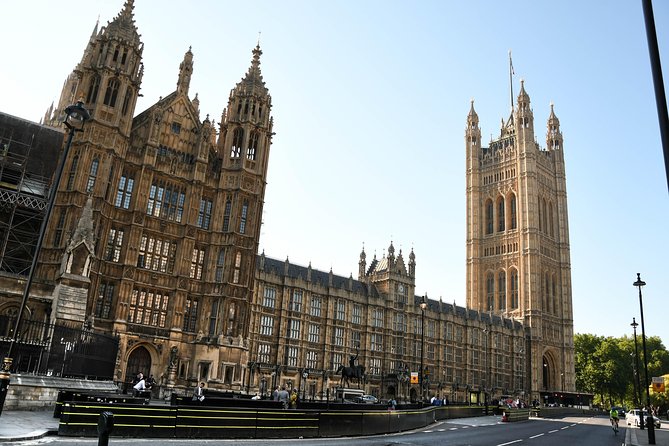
(40, 433)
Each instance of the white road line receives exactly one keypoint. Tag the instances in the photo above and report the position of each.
(572, 424)
(510, 442)
(453, 429)
(563, 428)
(536, 436)
(553, 431)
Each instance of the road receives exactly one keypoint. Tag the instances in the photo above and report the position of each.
(480, 431)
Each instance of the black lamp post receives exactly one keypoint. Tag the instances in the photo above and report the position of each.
(305, 376)
(651, 427)
(636, 372)
(423, 306)
(75, 117)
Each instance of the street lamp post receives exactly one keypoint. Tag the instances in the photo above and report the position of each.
(651, 428)
(638, 396)
(423, 306)
(75, 117)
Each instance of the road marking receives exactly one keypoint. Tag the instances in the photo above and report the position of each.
(572, 425)
(563, 428)
(453, 429)
(510, 442)
(553, 431)
(536, 436)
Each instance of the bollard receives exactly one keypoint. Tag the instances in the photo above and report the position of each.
(105, 426)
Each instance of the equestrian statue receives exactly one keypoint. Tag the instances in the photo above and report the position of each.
(354, 371)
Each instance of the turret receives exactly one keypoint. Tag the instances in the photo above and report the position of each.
(362, 264)
(412, 264)
(185, 73)
(524, 116)
(553, 133)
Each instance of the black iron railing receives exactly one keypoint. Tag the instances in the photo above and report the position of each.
(59, 350)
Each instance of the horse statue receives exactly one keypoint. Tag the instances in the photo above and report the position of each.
(356, 372)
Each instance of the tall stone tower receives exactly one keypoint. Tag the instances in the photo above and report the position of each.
(174, 210)
(518, 261)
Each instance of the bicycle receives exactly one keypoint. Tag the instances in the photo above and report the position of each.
(614, 425)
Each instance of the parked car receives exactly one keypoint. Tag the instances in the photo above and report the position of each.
(632, 418)
(621, 411)
(369, 399)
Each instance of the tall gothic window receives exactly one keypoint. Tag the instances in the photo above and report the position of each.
(60, 228)
(242, 223)
(197, 263)
(111, 93)
(166, 201)
(124, 192)
(500, 215)
(501, 290)
(92, 175)
(488, 217)
(237, 141)
(514, 212)
(104, 300)
(190, 314)
(226, 215)
(204, 213)
(114, 244)
(238, 265)
(73, 173)
(93, 88)
(490, 291)
(253, 146)
(156, 254)
(514, 289)
(126, 101)
(220, 264)
(550, 219)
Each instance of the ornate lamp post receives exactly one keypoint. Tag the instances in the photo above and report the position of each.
(423, 306)
(636, 372)
(75, 117)
(651, 427)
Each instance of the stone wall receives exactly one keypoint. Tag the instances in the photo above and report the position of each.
(31, 392)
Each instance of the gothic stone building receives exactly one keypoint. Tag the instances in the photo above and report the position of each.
(154, 237)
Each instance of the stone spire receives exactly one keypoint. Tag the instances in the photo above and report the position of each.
(185, 72)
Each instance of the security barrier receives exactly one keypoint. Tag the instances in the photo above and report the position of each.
(515, 415)
(193, 421)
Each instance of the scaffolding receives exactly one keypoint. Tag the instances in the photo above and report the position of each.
(23, 201)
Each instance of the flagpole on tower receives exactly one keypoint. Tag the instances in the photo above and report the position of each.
(511, 73)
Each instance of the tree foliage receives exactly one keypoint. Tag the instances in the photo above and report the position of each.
(606, 367)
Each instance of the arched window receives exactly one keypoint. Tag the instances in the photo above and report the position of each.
(540, 213)
(545, 215)
(237, 141)
(253, 146)
(550, 219)
(242, 222)
(490, 291)
(514, 212)
(501, 290)
(190, 314)
(238, 266)
(226, 215)
(514, 288)
(93, 88)
(500, 214)
(126, 101)
(220, 263)
(73, 173)
(488, 217)
(111, 93)
(92, 175)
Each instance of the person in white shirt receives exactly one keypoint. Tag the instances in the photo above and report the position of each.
(139, 387)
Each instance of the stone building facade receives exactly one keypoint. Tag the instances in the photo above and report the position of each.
(154, 237)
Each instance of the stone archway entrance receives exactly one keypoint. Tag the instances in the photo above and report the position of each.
(138, 361)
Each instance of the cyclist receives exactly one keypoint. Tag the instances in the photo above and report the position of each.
(613, 415)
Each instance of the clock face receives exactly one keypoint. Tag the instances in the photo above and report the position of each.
(400, 288)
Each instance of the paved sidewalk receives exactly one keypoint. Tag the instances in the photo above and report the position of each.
(17, 425)
(637, 437)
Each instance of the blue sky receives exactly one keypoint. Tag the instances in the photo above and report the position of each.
(370, 103)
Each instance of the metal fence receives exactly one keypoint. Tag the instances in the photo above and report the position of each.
(59, 350)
